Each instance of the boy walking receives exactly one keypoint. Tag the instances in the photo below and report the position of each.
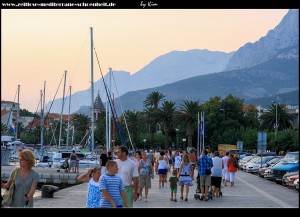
(112, 187)
(173, 185)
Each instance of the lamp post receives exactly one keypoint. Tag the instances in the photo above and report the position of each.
(223, 110)
(177, 130)
(183, 140)
(276, 123)
(113, 143)
(144, 143)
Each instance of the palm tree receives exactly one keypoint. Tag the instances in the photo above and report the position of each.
(153, 99)
(151, 103)
(133, 120)
(189, 118)
(151, 114)
(284, 119)
(166, 113)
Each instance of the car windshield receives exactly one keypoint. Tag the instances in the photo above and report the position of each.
(274, 160)
(291, 157)
(255, 160)
(247, 158)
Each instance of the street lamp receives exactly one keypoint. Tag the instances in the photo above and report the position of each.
(113, 143)
(276, 123)
(183, 140)
(221, 109)
(144, 143)
(177, 137)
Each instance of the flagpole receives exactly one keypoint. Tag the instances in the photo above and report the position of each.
(203, 129)
(198, 137)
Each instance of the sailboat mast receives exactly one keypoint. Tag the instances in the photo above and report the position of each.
(92, 92)
(62, 109)
(109, 114)
(106, 121)
(68, 132)
(42, 114)
(16, 135)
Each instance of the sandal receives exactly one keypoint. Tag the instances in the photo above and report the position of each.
(175, 200)
(186, 199)
(181, 198)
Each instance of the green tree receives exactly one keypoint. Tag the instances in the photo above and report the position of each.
(81, 126)
(133, 119)
(251, 117)
(284, 119)
(151, 111)
(166, 114)
(189, 118)
(153, 99)
(151, 115)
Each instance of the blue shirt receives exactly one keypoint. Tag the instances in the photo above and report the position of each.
(204, 163)
(113, 185)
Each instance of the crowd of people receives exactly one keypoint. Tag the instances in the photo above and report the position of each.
(123, 179)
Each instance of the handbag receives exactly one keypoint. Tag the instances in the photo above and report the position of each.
(7, 197)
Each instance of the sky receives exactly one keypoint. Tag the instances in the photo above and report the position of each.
(38, 45)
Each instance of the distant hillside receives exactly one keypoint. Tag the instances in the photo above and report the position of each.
(165, 69)
(290, 98)
(264, 80)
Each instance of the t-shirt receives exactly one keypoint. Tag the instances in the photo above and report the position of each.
(104, 159)
(127, 171)
(173, 181)
(113, 185)
(22, 187)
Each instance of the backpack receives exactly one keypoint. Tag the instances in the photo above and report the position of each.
(236, 164)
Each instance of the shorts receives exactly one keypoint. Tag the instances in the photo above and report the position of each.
(216, 181)
(174, 190)
(205, 180)
(162, 171)
(144, 181)
(129, 195)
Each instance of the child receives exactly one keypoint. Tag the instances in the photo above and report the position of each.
(173, 185)
(93, 192)
(112, 187)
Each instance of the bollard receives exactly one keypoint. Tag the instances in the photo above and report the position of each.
(48, 191)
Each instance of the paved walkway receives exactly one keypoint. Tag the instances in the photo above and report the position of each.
(249, 191)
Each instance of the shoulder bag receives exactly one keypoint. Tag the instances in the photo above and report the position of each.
(7, 197)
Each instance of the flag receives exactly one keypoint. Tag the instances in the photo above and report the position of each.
(203, 124)
(12, 129)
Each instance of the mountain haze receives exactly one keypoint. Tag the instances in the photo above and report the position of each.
(283, 41)
(264, 80)
(165, 69)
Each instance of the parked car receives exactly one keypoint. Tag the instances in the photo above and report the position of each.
(245, 160)
(290, 163)
(285, 177)
(253, 167)
(296, 184)
(291, 180)
(267, 165)
(254, 160)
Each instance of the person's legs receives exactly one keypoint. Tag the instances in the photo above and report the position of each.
(181, 192)
(186, 192)
(129, 195)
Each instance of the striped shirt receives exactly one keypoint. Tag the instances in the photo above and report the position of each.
(113, 185)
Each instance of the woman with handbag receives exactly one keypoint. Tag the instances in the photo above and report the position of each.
(25, 182)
